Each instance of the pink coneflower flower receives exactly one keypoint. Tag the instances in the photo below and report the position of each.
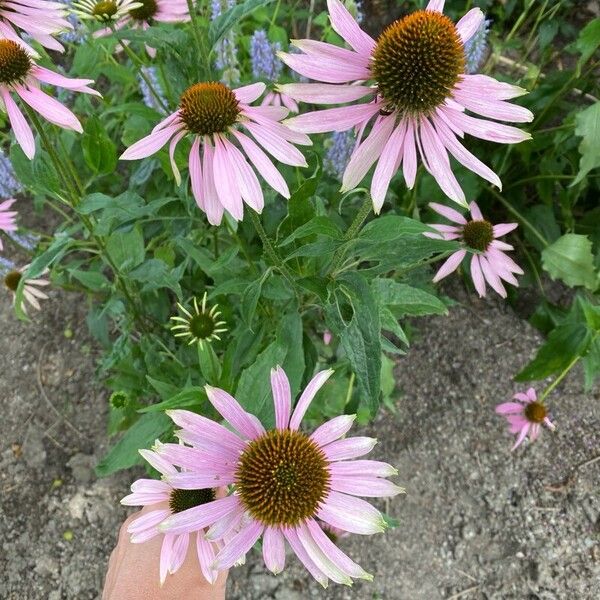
(7, 217)
(149, 492)
(31, 293)
(525, 416)
(414, 77)
(489, 261)
(327, 337)
(284, 480)
(222, 179)
(19, 74)
(38, 18)
(150, 11)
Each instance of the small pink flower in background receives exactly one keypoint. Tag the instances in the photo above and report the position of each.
(161, 11)
(31, 293)
(149, 492)
(20, 75)
(414, 78)
(285, 482)
(7, 217)
(38, 18)
(327, 337)
(525, 416)
(221, 155)
(489, 262)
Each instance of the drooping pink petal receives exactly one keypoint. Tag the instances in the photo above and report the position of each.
(332, 430)
(477, 276)
(522, 435)
(367, 153)
(166, 550)
(276, 146)
(322, 561)
(206, 557)
(343, 23)
(274, 549)
(212, 205)
(147, 521)
(195, 167)
(409, 155)
(494, 109)
(282, 397)
(491, 277)
(194, 519)
(349, 448)
(246, 179)
(179, 552)
(238, 545)
(231, 410)
(151, 143)
(450, 265)
(163, 466)
(227, 189)
(468, 25)
(292, 537)
(323, 93)
(172, 146)
(387, 166)
(19, 125)
(310, 391)
(351, 514)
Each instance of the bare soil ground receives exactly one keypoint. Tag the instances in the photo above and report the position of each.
(477, 522)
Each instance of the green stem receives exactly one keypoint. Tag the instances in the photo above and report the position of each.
(270, 250)
(354, 228)
(520, 217)
(242, 244)
(196, 29)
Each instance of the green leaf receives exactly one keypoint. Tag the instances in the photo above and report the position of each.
(405, 299)
(93, 280)
(125, 453)
(223, 23)
(164, 389)
(323, 248)
(390, 323)
(250, 298)
(588, 41)
(591, 364)
(99, 151)
(316, 226)
(562, 346)
(588, 127)
(186, 398)
(570, 259)
(390, 227)
(290, 335)
(209, 364)
(126, 249)
(354, 317)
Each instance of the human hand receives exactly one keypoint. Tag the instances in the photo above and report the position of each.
(133, 572)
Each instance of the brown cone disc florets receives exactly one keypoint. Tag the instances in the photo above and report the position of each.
(282, 477)
(15, 63)
(478, 235)
(12, 279)
(417, 62)
(208, 108)
(144, 12)
(535, 412)
(181, 500)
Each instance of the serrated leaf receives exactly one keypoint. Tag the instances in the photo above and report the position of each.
(588, 41)
(405, 299)
(588, 127)
(570, 259)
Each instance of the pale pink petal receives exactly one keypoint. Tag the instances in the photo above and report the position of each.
(509, 408)
(341, 560)
(200, 481)
(179, 552)
(449, 213)
(521, 437)
(373, 468)
(282, 397)
(274, 550)
(435, 5)
(49, 108)
(531, 395)
(326, 69)
(238, 545)
(494, 109)
(226, 525)
(249, 93)
(475, 212)
(491, 277)
(349, 448)
(344, 24)
(323, 51)
(166, 550)
(148, 520)
(489, 87)
(534, 431)
(409, 157)
(504, 228)
(206, 557)
(372, 487)
(450, 265)
(332, 430)
(323, 93)
(151, 143)
(324, 564)
(367, 153)
(195, 167)
(163, 466)
(246, 179)
(387, 166)
(468, 25)
(172, 147)
(314, 385)
(549, 424)
(292, 537)
(263, 164)
(227, 188)
(201, 516)
(276, 146)
(351, 514)
(212, 204)
(231, 410)
(477, 276)
(19, 125)
(333, 119)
